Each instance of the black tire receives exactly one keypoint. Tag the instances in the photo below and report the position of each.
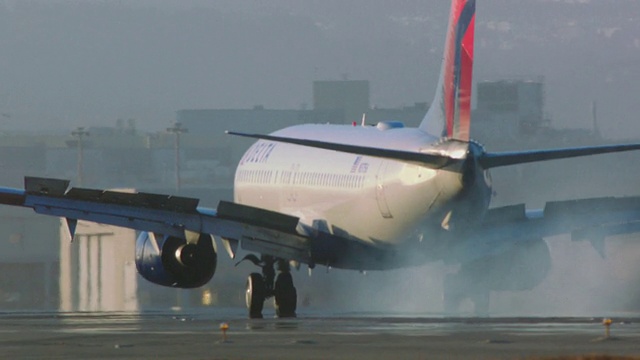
(255, 295)
(286, 296)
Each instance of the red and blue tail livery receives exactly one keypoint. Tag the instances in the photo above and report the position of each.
(450, 112)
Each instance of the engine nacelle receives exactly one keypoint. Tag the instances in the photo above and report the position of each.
(171, 261)
(521, 268)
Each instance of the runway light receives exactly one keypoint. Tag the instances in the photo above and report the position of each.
(207, 299)
(607, 325)
(224, 327)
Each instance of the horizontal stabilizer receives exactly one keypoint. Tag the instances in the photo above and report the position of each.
(432, 161)
(492, 160)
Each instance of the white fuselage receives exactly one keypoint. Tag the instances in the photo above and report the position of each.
(369, 198)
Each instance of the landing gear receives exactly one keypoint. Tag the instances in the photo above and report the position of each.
(255, 295)
(266, 285)
(286, 296)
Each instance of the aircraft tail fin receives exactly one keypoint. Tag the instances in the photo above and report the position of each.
(450, 112)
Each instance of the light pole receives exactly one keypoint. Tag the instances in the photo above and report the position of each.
(79, 133)
(177, 129)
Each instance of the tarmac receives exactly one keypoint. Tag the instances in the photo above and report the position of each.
(198, 335)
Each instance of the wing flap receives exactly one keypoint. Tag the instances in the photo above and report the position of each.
(563, 217)
(53, 187)
(152, 201)
(257, 216)
(276, 244)
(595, 232)
(585, 220)
(139, 218)
(591, 206)
(257, 229)
(506, 213)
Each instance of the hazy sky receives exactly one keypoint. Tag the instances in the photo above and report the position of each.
(67, 63)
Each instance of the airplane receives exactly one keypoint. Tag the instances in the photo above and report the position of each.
(356, 197)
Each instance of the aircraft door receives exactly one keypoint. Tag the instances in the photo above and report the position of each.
(381, 198)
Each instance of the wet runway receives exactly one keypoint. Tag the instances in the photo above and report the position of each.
(317, 336)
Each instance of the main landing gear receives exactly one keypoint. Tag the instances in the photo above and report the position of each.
(266, 285)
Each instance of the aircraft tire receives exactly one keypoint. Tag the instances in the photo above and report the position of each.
(255, 295)
(286, 296)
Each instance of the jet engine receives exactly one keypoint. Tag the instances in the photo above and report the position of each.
(175, 262)
(522, 267)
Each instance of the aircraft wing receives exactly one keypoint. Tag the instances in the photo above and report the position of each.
(585, 220)
(256, 229)
(280, 235)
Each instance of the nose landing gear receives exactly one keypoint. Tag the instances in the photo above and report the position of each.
(266, 285)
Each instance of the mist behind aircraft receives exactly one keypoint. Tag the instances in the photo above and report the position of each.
(68, 63)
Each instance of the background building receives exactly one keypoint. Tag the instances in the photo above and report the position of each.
(29, 260)
(97, 268)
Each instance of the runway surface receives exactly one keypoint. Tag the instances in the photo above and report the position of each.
(319, 336)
